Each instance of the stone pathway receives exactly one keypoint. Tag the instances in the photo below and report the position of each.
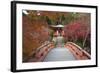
(59, 54)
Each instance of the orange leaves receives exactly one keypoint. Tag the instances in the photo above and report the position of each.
(34, 34)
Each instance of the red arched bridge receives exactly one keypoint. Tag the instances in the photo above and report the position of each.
(48, 52)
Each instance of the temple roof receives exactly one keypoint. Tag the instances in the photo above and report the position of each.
(59, 26)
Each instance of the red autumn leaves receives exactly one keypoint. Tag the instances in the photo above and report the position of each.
(75, 31)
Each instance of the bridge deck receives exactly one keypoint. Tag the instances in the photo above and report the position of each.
(59, 54)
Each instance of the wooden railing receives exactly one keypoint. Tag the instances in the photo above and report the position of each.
(77, 51)
(41, 52)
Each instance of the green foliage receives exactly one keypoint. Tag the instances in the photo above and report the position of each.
(63, 17)
(48, 20)
(51, 34)
(69, 18)
(79, 42)
(42, 18)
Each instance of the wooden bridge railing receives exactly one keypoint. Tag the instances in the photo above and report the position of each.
(77, 51)
(41, 52)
